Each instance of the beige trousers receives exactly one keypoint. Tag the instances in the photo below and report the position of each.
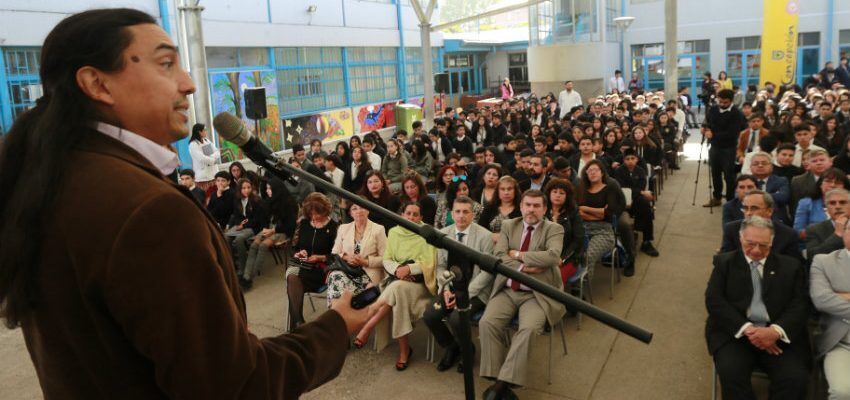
(497, 360)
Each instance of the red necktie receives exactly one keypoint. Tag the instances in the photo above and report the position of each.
(525, 243)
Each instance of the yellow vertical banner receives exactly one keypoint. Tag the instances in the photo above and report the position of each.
(779, 42)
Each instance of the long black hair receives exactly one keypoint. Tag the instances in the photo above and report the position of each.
(35, 153)
(196, 133)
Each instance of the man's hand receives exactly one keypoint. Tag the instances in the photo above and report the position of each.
(647, 195)
(354, 319)
(402, 272)
(706, 132)
(449, 299)
(840, 223)
(845, 296)
(763, 338)
(315, 259)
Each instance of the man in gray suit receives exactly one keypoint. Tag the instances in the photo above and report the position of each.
(532, 245)
(806, 185)
(827, 236)
(480, 285)
(830, 292)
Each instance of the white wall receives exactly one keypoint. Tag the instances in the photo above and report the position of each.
(238, 22)
(579, 61)
(718, 20)
(497, 66)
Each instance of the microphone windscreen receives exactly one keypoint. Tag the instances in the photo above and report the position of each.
(231, 128)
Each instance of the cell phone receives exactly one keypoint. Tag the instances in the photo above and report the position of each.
(365, 298)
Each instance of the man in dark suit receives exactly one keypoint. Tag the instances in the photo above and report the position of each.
(761, 166)
(724, 123)
(732, 209)
(537, 178)
(806, 185)
(159, 313)
(827, 236)
(758, 309)
(760, 204)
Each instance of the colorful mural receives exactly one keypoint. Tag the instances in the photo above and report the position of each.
(375, 116)
(331, 125)
(227, 96)
(439, 100)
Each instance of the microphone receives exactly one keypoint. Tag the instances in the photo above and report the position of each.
(233, 130)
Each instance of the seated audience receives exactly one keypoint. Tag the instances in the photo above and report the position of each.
(784, 166)
(412, 265)
(532, 245)
(506, 206)
(749, 325)
(355, 175)
(282, 210)
(237, 172)
(537, 175)
(221, 201)
(806, 185)
(361, 245)
(376, 191)
(421, 160)
(187, 179)
(597, 205)
(760, 204)
(562, 210)
(302, 188)
(249, 217)
(458, 187)
(830, 293)
(827, 236)
(732, 209)
(465, 231)
(394, 165)
(413, 190)
(810, 210)
(761, 166)
(631, 176)
(313, 241)
(486, 189)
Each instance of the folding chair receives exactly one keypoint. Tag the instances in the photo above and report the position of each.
(320, 294)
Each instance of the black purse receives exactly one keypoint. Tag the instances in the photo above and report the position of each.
(336, 263)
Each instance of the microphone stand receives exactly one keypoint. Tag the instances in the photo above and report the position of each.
(464, 257)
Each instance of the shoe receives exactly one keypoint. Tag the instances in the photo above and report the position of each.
(491, 394)
(401, 366)
(509, 395)
(713, 203)
(675, 167)
(246, 284)
(629, 270)
(450, 358)
(649, 249)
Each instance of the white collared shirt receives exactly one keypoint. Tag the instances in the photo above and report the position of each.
(760, 267)
(162, 158)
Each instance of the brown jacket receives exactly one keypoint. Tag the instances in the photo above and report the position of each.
(744, 140)
(137, 296)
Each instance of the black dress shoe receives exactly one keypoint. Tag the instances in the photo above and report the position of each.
(491, 394)
(629, 270)
(450, 358)
(509, 395)
(649, 249)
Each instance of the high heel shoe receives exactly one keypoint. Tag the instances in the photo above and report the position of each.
(401, 366)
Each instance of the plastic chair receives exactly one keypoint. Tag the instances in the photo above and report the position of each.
(582, 277)
(611, 258)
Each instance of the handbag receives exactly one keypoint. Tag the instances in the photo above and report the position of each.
(295, 262)
(410, 278)
(336, 263)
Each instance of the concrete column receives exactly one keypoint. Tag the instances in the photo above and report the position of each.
(603, 37)
(428, 76)
(192, 29)
(671, 56)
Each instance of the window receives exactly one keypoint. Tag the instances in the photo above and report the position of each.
(743, 60)
(230, 57)
(808, 39)
(517, 68)
(844, 43)
(565, 21)
(459, 61)
(309, 79)
(23, 82)
(373, 74)
(415, 71)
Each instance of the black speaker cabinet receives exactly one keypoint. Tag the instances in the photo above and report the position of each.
(255, 103)
(441, 83)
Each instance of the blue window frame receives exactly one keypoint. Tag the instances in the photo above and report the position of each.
(844, 43)
(21, 85)
(310, 79)
(372, 74)
(414, 70)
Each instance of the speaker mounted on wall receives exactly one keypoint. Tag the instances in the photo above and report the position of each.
(255, 103)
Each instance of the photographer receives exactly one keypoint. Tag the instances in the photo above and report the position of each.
(723, 124)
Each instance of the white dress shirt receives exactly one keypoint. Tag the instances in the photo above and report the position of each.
(782, 336)
(161, 157)
(568, 101)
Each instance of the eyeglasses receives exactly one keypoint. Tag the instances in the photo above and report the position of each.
(837, 202)
(459, 178)
(760, 163)
(751, 208)
(752, 245)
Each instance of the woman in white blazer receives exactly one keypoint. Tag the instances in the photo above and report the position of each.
(361, 244)
(203, 162)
